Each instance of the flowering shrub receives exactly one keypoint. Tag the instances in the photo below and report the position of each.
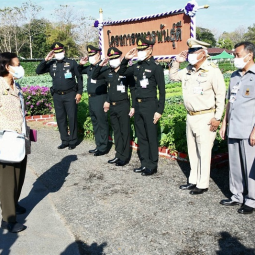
(38, 100)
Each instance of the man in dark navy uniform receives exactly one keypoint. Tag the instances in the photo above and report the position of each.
(149, 76)
(65, 90)
(119, 103)
(97, 91)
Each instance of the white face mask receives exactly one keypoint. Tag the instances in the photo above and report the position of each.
(239, 62)
(59, 56)
(114, 63)
(141, 55)
(192, 58)
(92, 60)
(18, 73)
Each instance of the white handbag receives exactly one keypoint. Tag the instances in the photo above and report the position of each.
(12, 144)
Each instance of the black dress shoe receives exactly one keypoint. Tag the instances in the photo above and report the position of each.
(140, 169)
(121, 162)
(188, 186)
(245, 209)
(62, 146)
(197, 191)
(113, 161)
(148, 171)
(228, 202)
(93, 151)
(71, 147)
(20, 209)
(13, 227)
(99, 153)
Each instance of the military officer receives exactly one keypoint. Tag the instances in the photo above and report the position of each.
(149, 76)
(66, 93)
(203, 90)
(97, 91)
(119, 103)
(240, 117)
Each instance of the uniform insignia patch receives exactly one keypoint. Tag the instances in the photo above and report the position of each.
(140, 43)
(112, 52)
(89, 50)
(247, 92)
(56, 46)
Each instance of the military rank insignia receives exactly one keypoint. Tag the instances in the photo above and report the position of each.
(112, 52)
(140, 43)
(247, 92)
(89, 50)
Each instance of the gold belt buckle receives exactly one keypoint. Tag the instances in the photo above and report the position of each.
(89, 95)
(139, 100)
(113, 103)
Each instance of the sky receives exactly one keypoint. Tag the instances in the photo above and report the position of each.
(222, 15)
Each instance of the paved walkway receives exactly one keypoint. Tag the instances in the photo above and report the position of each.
(46, 233)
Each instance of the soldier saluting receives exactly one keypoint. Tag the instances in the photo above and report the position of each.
(66, 93)
(118, 102)
(97, 91)
(149, 77)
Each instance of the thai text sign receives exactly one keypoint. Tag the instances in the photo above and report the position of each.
(169, 32)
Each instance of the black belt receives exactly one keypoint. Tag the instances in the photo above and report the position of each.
(63, 92)
(94, 94)
(140, 100)
(119, 102)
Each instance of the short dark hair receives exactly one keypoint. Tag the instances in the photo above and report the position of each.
(248, 46)
(6, 59)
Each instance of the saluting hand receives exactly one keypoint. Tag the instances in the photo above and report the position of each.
(106, 106)
(84, 60)
(156, 117)
(49, 56)
(131, 53)
(214, 124)
(182, 56)
(132, 112)
(104, 62)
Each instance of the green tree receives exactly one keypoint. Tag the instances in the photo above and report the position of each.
(225, 44)
(250, 35)
(205, 35)
(62, 33)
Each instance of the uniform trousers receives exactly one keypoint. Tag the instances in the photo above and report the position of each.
(200, 142)
(99, 121)
(66, 107)
(242, 170)
(146, 132)
(120, 121)
(11, 181)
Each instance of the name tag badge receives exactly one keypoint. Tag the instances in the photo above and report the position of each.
(147, 70)
(93, 81)
(121, 88)
(234, 89)
(68, 75)
(144, 83)
(198, 90)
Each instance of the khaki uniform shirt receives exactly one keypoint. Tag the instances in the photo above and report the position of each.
(11, 111)
(202, 89)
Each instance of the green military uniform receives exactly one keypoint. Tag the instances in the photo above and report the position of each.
(97, 91)
(148, 76)
(119, 106)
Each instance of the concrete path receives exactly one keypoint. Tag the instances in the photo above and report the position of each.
(46, 233)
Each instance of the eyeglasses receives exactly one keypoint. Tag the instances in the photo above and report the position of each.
(192, 50)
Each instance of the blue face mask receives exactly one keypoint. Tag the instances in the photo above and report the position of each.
(18, 73)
